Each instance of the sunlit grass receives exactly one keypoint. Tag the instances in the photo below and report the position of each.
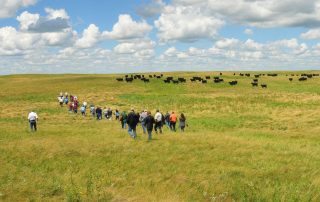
(242, 143)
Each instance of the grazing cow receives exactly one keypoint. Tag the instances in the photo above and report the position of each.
(290, 79)
(119, 79)
(146, 80)
(175, 81)
(233, 83)
(273, 75)
(264, 85)
(254, 84)
(204, 81)
(127, 76)
(303, 79)
(220, 73)
(150, 76)
(255, 80)
(182, 80)
(129, 80)
(192, 80)
(169, 78)
(216, 77)
(309, 76)
(315, 74)
(241, 74)
(248, 75)
(158, 77)
(257, 76)
(208, 77)
(166, 81)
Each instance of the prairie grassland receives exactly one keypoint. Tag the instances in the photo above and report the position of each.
(242, 143)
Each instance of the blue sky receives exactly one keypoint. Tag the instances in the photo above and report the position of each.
(115, 36)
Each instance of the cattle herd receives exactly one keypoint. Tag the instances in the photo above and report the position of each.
(214, 79)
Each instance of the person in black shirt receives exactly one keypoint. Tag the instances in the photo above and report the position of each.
(149, 122)
(99, 113)
(132, 121)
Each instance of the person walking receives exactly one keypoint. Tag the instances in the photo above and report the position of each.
(158, 121)
(167, 119)
(92, 110)
(83, 110)
(33, 119)
(99, 113)
(123, 119)
(109, 114)
(117, 114)
(143, 116)
(173, 121)
(149, 121)
(182, 122)
(132, 120)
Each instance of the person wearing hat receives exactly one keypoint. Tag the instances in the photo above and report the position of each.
(33, 118)
(132, 121)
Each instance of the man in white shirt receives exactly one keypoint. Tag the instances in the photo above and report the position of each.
(158, 120)
(33, 118)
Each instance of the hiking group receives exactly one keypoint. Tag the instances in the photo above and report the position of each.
(148, 122)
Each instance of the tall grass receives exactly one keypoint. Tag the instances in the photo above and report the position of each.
(242, 143)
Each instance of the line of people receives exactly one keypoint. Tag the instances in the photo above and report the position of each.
(148, 122)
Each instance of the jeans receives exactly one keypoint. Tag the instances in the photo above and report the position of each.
(33, 125)
(132, 131)
(124, 124)
(168, 124)
(99, 116)
(144, 128)
(149, 134)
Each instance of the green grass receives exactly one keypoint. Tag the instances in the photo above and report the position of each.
(242, 143)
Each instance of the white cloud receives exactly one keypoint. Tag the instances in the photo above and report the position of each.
(13, 42)
(8, 8)
(126, 28)
(90, 37)
(54, 14)
(186, 24)
(311, 34)
(140, 48)
(152, 9)
(227, 43)
(55, 21)
(248, 31)
(26, 19)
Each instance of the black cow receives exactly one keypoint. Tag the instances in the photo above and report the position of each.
(166, 81)
(257, 76)
(290, 79)
(182, 80)
(204, 81)
(264, 85)
(175, 81)
(303, 79)
(208, 77)
(254, 84)
(146, 80)
(119, 79)
(233, 83)
(129, 80)
(255, 80)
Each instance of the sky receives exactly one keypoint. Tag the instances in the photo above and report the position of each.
(126, 36)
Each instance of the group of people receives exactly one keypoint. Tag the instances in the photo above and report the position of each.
(148, 122)
(151, 123)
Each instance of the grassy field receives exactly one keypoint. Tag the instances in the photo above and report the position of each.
(242, 143)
